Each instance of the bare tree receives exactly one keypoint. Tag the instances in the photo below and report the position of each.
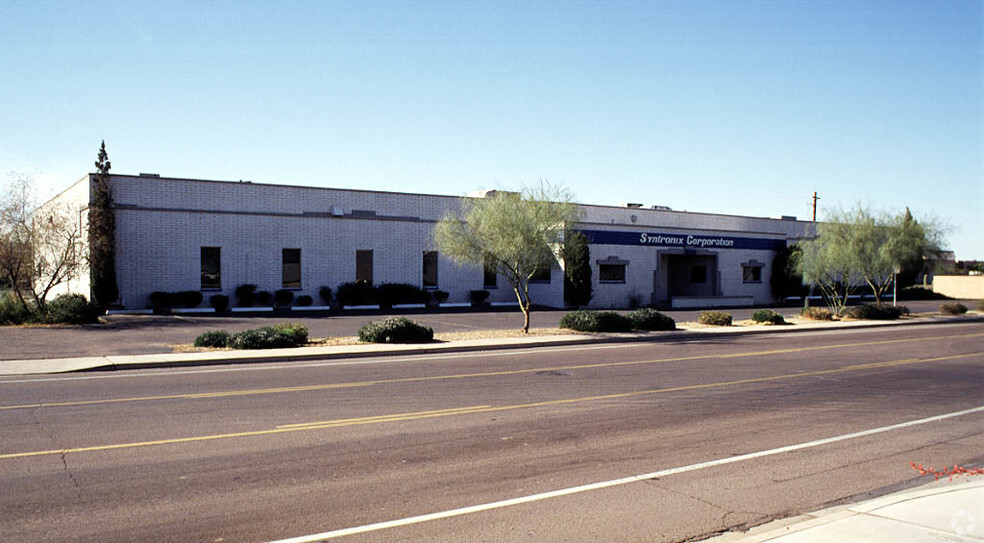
(40, 246)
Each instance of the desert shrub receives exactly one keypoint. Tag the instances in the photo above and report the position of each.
(441, 296)
(161, 302)
(395, 330)
(390, 294)
(264, 299)
(305, 301)
(283, 298)
(357, 293)
(478, 297)
(715, 318)
(650, 319)
(245, 295)
(876, 312)
(269, 337)
(12, 311)
(817, 313)
(953, 308)
(325, 294)
(71, 309)
(769, 316)
(586, 320)
(219, 301)
(213, 338)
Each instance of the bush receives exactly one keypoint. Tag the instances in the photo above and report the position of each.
(187, 298)
(213, 338)
(71, 309)
(305, 301)
(161, 302)
(357, 293)
(715, 318)
(264, 299)
(245, 295)
(325, 294)
(817, 314)
(12, 311)
(478, 297)
(876, 312)
(283, 298)
(395, 330)
(441, 296)
(769, 316)
(390, 294)
(269, 337)
(586, 320)
(980, 305)
(651, 320)
(953, 308)
(219, 301)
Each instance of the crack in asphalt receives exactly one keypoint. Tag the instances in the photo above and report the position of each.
(65, 467)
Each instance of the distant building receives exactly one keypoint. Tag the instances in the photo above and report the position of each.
(184, 234)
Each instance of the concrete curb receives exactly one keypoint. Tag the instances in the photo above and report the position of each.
(128, 362)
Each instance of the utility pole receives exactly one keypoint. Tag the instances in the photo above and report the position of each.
(815, 198)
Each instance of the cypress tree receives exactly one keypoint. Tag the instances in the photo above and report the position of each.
(577, 270)
(102, 236)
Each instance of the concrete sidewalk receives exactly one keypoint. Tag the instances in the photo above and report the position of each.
(146, 361)
(943, 510)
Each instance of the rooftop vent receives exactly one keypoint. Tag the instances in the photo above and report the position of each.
(662, 208)
(150, 175)
(788, 218)
(632, 206)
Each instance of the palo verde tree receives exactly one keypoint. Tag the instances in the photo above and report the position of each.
(102, 236)
(40, 247)
(519, 235)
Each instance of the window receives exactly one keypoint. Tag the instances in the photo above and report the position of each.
(430, 269)
(611, 273)
(363, 266)
(698, 274)
(751, 273)
(489, 276)
(291, 268)
(542, 275)
(211, 268)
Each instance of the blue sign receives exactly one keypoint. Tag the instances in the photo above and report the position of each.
(686, 241)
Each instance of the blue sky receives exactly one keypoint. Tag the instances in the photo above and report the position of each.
(726, 107)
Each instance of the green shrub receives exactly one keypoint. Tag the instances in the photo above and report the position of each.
(305, 301)
(213, 338)
(283, 298)
(650, 319)
(390, 294)
(12, 311)
(269, 337)
(357, 293)
(587, 320)
(219, 301)
(264, 299)
(715, 318)
(71, 309)
(769, 316)
(953, 308)
(441, 296)
(325, 294)
(395, 330)
(187, 298)
(478, 297)
(161, 302)
(876, 312)
(245, 295)
(817, 313)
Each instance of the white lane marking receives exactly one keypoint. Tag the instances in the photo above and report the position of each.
(617, 482)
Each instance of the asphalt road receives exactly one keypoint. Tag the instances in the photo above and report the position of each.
(150, 334)
(255, 453)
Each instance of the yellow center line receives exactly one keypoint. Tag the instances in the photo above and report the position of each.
(309, 388)
(486, 409)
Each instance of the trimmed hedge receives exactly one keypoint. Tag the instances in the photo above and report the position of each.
(953, 308)
(769, 316)
(587, 320)
(478, 297)
(390, 294)
(283, 298)
(305, 301)
(650, 320)
(325, 294)
(817, 314)
(264, 299)
(219, 301)
(874, 312)
(715, 318)
(395, 330)
(245, 295)
(357, 293)
(213, 338)
(441, 296)
(268, 337)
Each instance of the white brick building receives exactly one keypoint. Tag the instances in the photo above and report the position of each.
(182, 234)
